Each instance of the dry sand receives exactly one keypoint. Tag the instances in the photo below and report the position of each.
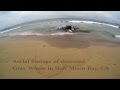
(59, 57)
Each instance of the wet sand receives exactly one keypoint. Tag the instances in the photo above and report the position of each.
(67, 56)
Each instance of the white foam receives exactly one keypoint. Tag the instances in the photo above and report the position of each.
(117, 36)
(10, 29)
(61, 33)
(39, 34)
(92, 22)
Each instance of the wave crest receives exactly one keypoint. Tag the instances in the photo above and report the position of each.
(40, 34)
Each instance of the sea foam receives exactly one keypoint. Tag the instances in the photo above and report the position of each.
(9, 30)
(92, 22)
(39, 34)
(117, 36)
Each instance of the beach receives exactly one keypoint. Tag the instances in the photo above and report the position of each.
(67, 56)
(39, 50)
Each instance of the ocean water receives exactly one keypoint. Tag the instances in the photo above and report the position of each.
(46, 27)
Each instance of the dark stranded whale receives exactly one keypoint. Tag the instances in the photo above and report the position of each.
(67, 28)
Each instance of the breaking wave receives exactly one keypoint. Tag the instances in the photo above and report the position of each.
(10, 29)
(117, 36)
(40, 34)
(93, 22)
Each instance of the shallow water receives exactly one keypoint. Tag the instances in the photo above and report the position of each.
(49, 26)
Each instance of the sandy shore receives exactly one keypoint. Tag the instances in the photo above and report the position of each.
(68, 56)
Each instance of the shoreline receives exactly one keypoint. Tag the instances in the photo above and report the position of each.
(72, 21)
(79, 40)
